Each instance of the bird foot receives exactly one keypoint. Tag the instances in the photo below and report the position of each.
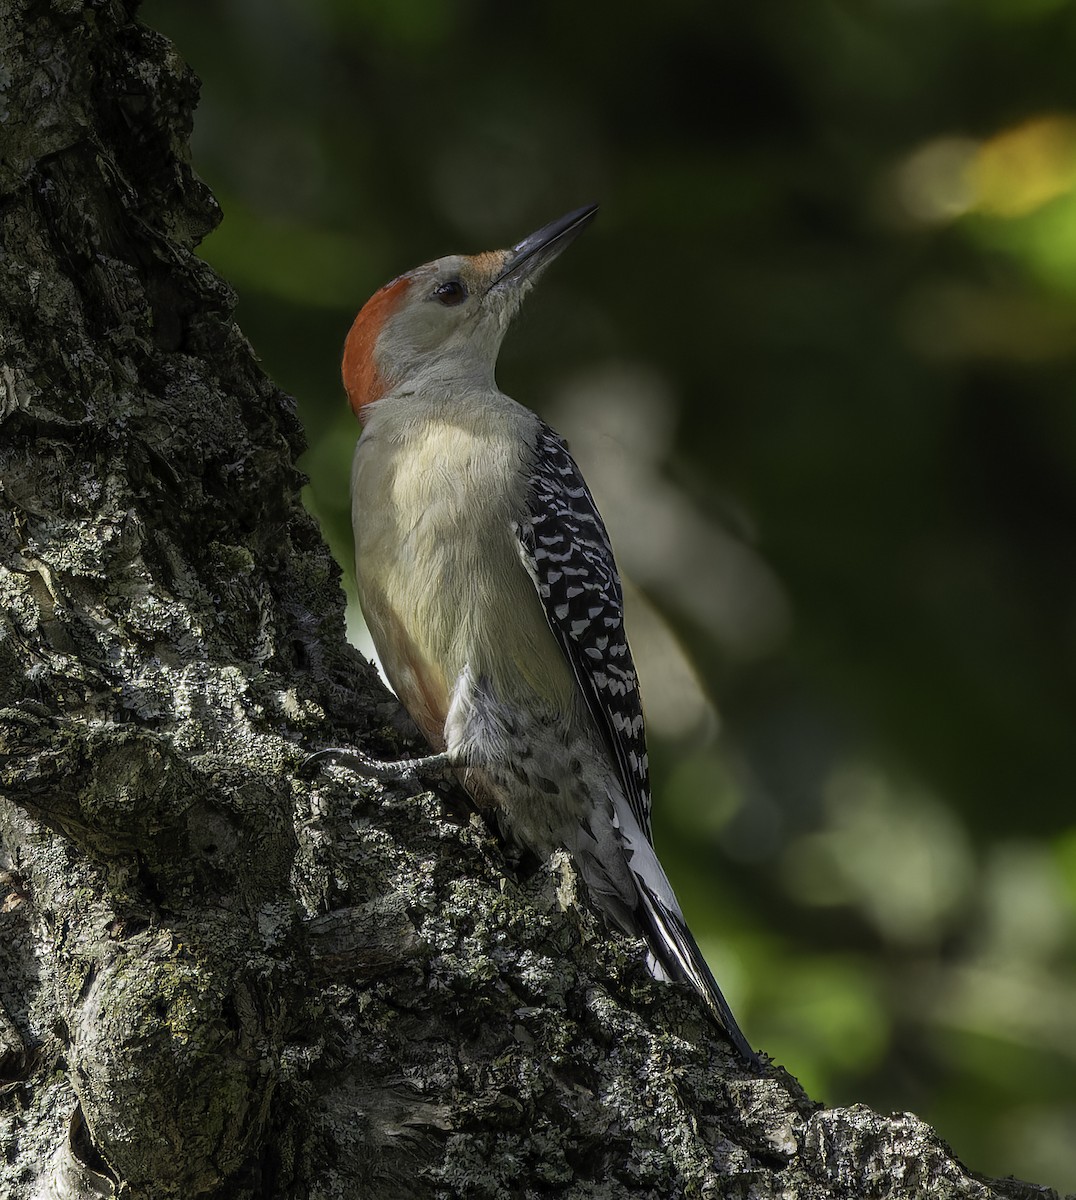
(404, 770)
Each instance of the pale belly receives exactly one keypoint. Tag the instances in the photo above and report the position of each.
(441, 583)
(464, 640)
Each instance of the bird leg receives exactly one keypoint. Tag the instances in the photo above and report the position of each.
(405, 770)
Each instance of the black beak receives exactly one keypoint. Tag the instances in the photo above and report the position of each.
(530, 256)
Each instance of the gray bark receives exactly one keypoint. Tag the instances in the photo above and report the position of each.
(218, 978)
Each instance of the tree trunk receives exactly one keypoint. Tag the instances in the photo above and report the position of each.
(218, 978)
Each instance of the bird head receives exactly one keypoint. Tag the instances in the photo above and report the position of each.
(444, 322)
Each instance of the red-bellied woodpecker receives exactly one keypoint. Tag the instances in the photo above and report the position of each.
(489, 587)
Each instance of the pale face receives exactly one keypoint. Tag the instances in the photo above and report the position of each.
(442, 324)
(450, 302)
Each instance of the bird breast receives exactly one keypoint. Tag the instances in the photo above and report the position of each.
(440, 578)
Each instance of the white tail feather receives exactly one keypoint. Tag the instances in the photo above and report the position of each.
(673, 952)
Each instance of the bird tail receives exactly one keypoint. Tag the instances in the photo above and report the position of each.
(674, 954)
(626, 881)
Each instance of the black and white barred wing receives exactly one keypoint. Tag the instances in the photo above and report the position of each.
(566, 551)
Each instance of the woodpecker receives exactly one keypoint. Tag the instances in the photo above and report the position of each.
(489, 587)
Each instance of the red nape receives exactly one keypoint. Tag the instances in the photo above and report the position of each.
(362, 381)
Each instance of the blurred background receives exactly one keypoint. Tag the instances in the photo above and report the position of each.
(817, 359)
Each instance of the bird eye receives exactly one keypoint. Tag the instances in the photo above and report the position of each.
(450, 293)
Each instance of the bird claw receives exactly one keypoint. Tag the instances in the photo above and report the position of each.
(406, 770)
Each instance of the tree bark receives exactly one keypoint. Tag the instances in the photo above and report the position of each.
(219, 978)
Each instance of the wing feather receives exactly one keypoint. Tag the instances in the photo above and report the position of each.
(565, 548)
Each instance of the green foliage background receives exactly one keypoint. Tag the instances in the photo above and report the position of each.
(818, 350)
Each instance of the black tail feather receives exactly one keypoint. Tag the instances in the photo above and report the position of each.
(678, 954)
